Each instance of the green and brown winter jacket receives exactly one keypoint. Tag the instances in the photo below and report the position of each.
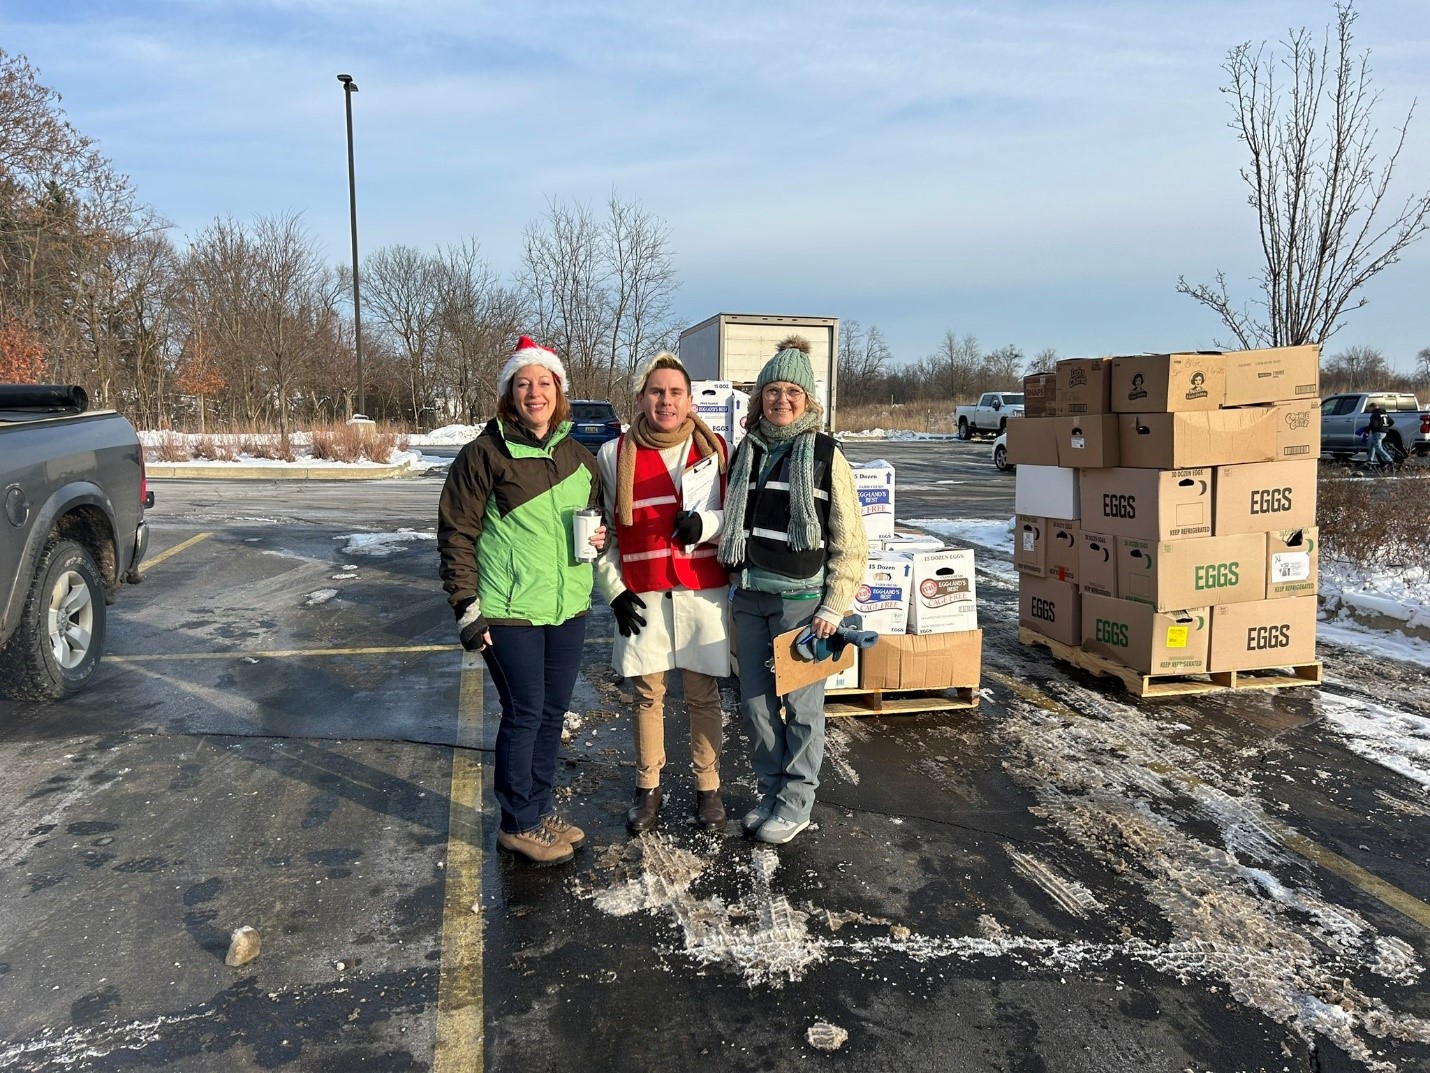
(504, 525)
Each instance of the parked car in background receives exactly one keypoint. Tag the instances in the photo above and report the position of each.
(1000, 453)
(1345, 424)
(989, 416)
(593, 422)
(74, 532)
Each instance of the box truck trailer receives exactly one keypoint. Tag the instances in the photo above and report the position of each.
(734, 347)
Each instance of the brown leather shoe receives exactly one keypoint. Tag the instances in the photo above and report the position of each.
(645, 811)
(539, 846)
(567, 832)
(709, 810)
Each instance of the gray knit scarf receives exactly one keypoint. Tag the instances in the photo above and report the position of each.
(804, 522)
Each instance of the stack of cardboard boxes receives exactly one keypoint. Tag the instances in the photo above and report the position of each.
(1166, 508)
(919, 596)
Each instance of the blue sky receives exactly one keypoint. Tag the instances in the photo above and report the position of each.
(1036, 173)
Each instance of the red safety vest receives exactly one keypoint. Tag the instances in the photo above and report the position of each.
(650, 561)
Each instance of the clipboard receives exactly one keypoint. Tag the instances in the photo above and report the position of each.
(697, 482)
(791, 672)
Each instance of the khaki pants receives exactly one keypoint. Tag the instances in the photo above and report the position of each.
(702, 697)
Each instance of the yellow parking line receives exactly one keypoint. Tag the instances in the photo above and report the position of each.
(1366, 882)
(280, 653)
(170, 552)
(461, 1035)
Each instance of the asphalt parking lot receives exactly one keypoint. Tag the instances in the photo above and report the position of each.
(285, 736)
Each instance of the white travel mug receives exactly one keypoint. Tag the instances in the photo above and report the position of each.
(584, 524)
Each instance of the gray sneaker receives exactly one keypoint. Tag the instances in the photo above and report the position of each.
(755, 818)
(777, 832)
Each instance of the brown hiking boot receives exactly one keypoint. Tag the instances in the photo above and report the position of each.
(645, 810)
(709, 810)
(539, 846)
(567, 832)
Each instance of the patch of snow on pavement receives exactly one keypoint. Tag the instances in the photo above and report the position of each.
(995, 534)
(1396, 740)
(380, 545)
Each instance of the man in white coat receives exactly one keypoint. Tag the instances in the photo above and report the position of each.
(664, 483)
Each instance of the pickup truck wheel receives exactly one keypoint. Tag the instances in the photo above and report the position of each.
(61, 633)
(964, 432)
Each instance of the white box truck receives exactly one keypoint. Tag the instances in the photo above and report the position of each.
(735, 346)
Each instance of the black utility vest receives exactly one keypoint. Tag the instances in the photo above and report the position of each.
(767, 513)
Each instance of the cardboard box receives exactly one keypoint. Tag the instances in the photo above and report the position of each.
(1030, 545)
(1032, 441)
(1089, 441)
(883, 596)
(1170, 574)
(874, 482)
(1064, 541)
(1149, 503)
(904, 542)
(712, 405)
(1209, 438)
(1298, 429)
(1097, 564)
(1268, 633)
(1052, 608)
(738, 406)
(935, 661)
(847, 678)
(1082, 386)
(1047, 492)
(1265, 496)
(1145, 639)
(1288, 372)
(1293, 562)
(1168, 383)
(1039, 391)
(944, 594)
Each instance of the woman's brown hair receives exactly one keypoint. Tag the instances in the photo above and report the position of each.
(508, 414)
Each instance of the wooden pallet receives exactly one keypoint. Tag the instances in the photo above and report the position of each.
(845, 702)
(1154, 686)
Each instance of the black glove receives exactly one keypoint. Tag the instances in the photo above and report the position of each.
(687, 527)
(473, 633)
(627, 617)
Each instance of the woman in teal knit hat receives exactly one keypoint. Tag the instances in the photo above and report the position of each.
(795, 546)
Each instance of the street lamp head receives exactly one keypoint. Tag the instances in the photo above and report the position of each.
(348, 83)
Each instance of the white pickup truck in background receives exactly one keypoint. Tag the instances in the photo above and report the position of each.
(990, 415)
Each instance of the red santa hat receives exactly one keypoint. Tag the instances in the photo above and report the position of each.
(529, 353)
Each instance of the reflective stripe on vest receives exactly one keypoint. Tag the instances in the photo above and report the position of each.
(650, 561)
(767, 514)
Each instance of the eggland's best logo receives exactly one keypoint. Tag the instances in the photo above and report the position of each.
(936, 592)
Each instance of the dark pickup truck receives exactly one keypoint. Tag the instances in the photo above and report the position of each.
(73, 484)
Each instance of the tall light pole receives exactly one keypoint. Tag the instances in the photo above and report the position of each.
(349, 88)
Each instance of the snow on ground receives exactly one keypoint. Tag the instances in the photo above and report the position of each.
(901, 435)
(380, 545)
(445, 436)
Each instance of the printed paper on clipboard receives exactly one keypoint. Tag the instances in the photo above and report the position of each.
(698, 482)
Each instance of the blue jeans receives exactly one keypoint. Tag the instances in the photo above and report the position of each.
(787, 748)
(534, 669)
(1376, 452)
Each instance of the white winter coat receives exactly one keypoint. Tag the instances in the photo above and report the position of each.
(685, 628)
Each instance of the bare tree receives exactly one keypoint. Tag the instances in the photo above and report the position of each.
(402, 288)
(1358, 368)
(1422, 367)
(1042, 362)
(1003, 368)
(563, 279)
(864, 357)
(954, 369)
(1321, 194)
(480, 321)
(641, 286)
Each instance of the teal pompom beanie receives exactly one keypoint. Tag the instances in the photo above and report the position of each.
(790, 364)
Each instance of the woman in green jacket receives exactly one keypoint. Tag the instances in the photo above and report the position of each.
(509, 566)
